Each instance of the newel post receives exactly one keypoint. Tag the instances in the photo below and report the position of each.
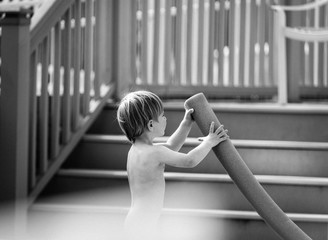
(280, 70)
(14, 107)
(123, 45)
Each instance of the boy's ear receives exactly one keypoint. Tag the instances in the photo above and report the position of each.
(150, 125)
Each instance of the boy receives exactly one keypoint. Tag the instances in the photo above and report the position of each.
(141, 118)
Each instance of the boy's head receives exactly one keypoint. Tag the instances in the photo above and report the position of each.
(136, 110)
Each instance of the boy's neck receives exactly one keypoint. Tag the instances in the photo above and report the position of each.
(144, 139)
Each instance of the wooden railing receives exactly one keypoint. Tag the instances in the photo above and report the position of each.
(222, 48)
(219, 47)
(302, 50)
(67, 85)
(54, 82)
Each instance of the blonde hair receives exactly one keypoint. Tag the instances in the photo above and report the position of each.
(136, 109)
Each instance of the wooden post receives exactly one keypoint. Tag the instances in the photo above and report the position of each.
(295, 57)
(123, 46)
(103, 41)
(14, 121)
(280, 59)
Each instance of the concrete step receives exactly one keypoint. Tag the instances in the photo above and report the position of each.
(187, 190)
(65, 221)
(260, 121)
(262, 156)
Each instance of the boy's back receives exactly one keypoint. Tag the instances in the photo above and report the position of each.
(146, 177)
(147, 186)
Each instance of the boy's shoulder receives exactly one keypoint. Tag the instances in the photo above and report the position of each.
(154, 149)
(147, 150)
(145, 153)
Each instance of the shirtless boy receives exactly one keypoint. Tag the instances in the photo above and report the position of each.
(141, 118)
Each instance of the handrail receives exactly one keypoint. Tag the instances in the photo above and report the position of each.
(308, 35)
(302, 7)
(42, 22)
(305, 35)
(42, 12)
(16, 6)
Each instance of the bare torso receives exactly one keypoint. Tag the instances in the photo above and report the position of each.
(147, 186)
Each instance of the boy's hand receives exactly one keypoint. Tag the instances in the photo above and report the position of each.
(187, 117)
(215, 137)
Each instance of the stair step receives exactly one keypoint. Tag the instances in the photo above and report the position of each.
(217, 191)
(262, 121)
(262, 156)
(214, 213)
(179, 176)
(176, 224)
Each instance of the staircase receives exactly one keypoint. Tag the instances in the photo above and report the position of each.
(284, 146)
(88, 198)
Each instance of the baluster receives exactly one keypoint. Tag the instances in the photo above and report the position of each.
(321, 23)
(211, 36)
(88, 58)
(252, 40)
(0, 46)
(316, 51)
(161, 80)
(96, 46)
(33, 121)
(308, 52)
(295, 50)
(232, 49)
(77, 66)
(280, 56)
(66, 109)
(205, 37)
(44, 108)
(261, 42)
(190, 49)
(236, 43)
(247, 45)
(178, 38)
(183, 61)
(109, 56)
(271, 78)
(200, 42)
(168, 42)
(55, 111)
(221, 40)
(156, 56)
(325, 52)
(106, 42)
(151, 40)
(242, 46)
(144, 45)
(122, 45)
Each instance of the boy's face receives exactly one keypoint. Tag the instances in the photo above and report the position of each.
(160, 124)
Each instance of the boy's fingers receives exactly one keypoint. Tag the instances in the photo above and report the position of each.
(224, 138)
(219, 129)
(212, 127)
(223, 133)
(191, 110)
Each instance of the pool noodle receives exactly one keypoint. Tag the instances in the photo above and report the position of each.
(242, 176)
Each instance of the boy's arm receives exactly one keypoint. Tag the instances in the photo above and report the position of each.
(177, 139)
(184, 160)
(195, 156)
